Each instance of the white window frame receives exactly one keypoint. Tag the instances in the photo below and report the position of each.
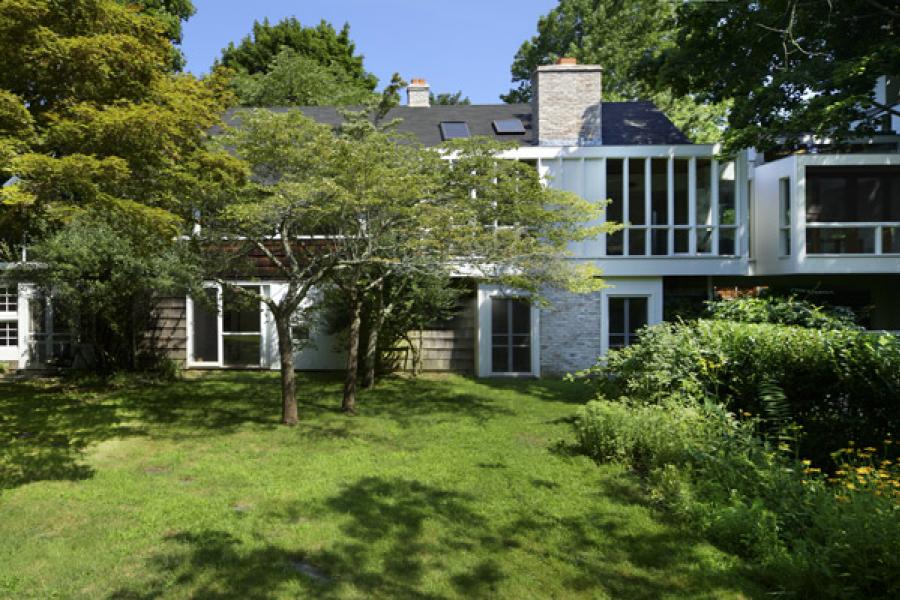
(220, 364)
(484, 342)
(631, 287)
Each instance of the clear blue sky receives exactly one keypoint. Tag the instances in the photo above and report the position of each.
(455, 45)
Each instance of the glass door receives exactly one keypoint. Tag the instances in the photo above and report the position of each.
(510, 335)
(241, 328)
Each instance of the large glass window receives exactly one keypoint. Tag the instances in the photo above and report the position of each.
(241, 328)
(727, 209)
(614, 212)
(784, 216)
(510, 335)
(852, 210)
(9, 300)
(626, 316)
(206, 327)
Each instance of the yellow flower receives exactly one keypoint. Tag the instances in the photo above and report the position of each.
(850, 486)
(840, 472)
(783, 446)
(806, 462)
(863, 470)
(870, 449)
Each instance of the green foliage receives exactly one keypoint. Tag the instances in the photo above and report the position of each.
(294, 79)
(92, 118)
(109, 279)
(791, 68)
(448, 99)
(618, 35)
(788, 310)
(804, 536)
(839, 383)
(289, 64)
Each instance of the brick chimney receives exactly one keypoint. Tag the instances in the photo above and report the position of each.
(566, 104)
(418, 93)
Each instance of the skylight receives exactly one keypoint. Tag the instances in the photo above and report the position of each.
(454, 129)
(508, 127)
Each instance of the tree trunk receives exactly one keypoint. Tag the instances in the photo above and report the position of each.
(286, 356)
(377, 320)
(349, 403)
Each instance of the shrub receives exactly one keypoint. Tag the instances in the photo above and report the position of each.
(806, 536)
(837, 384)
(782, 310)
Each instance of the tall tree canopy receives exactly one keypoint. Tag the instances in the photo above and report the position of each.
(618, 35)
(287, 63)
(791, 67)
(171, 13)
(91, 117)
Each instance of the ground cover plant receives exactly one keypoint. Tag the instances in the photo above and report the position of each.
(440, 488)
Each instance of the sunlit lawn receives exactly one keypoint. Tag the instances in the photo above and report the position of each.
(440, 488)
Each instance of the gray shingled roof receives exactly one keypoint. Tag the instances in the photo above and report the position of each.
(624, 123)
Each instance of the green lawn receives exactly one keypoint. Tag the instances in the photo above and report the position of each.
(441, 488)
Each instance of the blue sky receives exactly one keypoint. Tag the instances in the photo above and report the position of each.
(463, 45)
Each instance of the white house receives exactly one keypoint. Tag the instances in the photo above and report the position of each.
(695, 223)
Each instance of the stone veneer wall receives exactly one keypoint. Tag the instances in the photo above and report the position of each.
(571, 332)
(567, 105)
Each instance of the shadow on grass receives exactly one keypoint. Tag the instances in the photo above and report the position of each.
(46, 425)
(404, 539)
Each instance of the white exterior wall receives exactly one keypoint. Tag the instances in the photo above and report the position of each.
(767, 260)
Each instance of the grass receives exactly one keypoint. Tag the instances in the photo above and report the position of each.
(442, 487)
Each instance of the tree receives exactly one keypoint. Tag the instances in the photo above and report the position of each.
(294, 79)
(619, 35)
(172, 13)
(448, 99)
(791, 68)
(287, 63)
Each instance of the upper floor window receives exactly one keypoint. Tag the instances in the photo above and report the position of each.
(853, 210)
(9, 299)
(784, 216)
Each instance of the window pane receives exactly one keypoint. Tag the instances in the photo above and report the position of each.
(784, 200)
(704, 239)
(614, 243)
(500, 359)
(682, 241)
(842, 240)
(785, 242)
(636, 244)
(521, 316)
(614, 189)
(704, 193)
(726, 241)
(659, 197)
(890, 240)
(521, 359)
(637, 314)
(659, 243)
(206, 329)
(849, 194)
(727, 204)
(681, 192)
(616, 316)
(8, 299)
(499, 316)
(9, 333)
(242, 350)
(616, 340)
(240, 313)
(636, 192)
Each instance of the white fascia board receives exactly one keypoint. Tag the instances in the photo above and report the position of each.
(646, 151)
(642, 266)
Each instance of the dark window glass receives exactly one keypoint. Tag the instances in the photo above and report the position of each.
(454, 129)
(508, 126)
(890, 240)
(704, 239)
(704, 191)
(242, 350)
(206, 328)
(840, 240)
(614, 189)
(614, 243)
(637, 198)
(682, 241)
(9, 299)
(852, 194)
(681, 192)
(240, 313)
(727, 204)
(626, 317)
(659, 197)
(659, 243)
(9, 333)
(636, 242)
(510, 335)
(727, 241)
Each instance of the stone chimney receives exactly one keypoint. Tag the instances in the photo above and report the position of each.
(566, 104)
(418, 93)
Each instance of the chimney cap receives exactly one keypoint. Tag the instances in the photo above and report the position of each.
(418, 81)
(567, 60)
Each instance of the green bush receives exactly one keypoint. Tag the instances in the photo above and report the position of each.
(806, 537)
(783, 311)
(838, 384)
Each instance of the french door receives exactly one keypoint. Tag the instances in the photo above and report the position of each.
(510, 335)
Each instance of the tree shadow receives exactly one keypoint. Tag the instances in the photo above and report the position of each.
(399, 536)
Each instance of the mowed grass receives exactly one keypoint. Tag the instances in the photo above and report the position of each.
(442, 487)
